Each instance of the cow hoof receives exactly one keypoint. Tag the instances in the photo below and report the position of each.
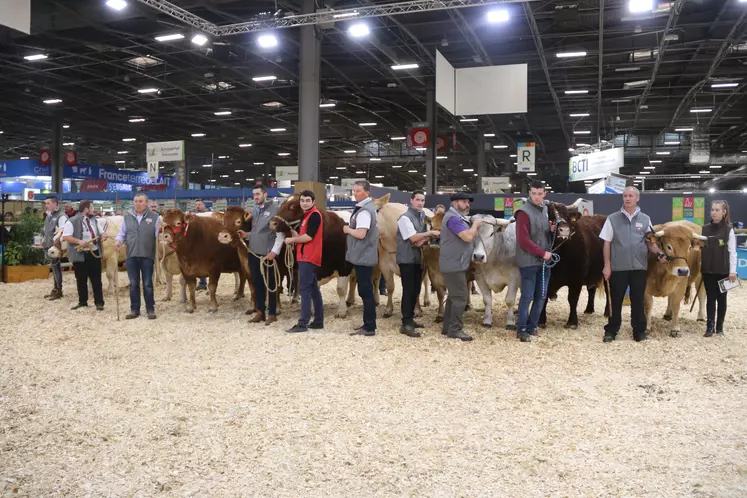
(212, 310)
(349, 303)
(701, 320)
(674, 333)
(467, 308)
(510, 327)
(190, 310)
(588, 312)
(571, 326)
(668, 318)
(387, 315)
(341, 315)
(166, 299)
(439, 319)
(487, 325)
(183, 301)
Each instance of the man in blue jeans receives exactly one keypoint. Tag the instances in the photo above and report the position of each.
(139, 233)
(534, 237)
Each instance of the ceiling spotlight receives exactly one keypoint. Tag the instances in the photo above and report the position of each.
(116, 4)
(53, 101)
(327, 104)
(349, 151)
(24, 157)
(129, 139)
(576, 92)
(66, 126)
(359, 30)
(580, 115)
(199, 39)
(165, 38)
(137, 120)
(374, 159)
(398, 138)
(123, 152)
(198, 135)
(565, 55)
(500, 146)
(148, 90)
(267, 41)
(222, 113)
(637, 6)
(35, 57)
(277, 130)
(402, 67)
(498, 15)
(683, 129)
(243, 146)
(283, 154)
(259, 164)
(489, 135)
(725, 85)
(367, 124)
(581, 132)
(264, 78)
(672, 143)
(701, 110)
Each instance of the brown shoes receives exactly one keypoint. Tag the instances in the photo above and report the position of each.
(271, 319)
(258, 317)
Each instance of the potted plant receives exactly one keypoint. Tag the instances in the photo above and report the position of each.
(24, 261)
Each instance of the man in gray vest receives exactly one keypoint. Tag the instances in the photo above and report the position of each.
(362, 250)
(534, 243)
(626, 251)
(139, 233)
(56, 219)
(263, 243)
(411, 236)
(84, 240)
(457, 246)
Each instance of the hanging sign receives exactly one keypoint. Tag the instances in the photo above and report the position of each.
(525, 157)
(419, 137)
(71, 157)
(153, 169)
(689, 208)
(596, 164)
(165, 151)
(509, 205)
(495, 184)
(347, 183)
(45, 158)
(286, 173)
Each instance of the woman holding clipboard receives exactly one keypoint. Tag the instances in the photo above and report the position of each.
(718, 263)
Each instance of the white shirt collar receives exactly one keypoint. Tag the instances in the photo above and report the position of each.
(631, 216)
(364, 202)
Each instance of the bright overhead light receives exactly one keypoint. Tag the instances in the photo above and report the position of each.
(274, 103)
(24, 157)
(148, 90)
(468, 170)
(498, 15)
(360, 172)
(66, 126)
(398, 138)
(259, 164)
(277, 130)
(701, 110)
(222, 113)
(714, 166)
(283, 154)
(468, 120)
(397, 166)
(420, 148)
(620, 101)
(165, 38)
(489, 135)
(415, 171)
(662, 153)
(129, 139)
(581, 132)
(246, 145)
(199, 39)
(359, 30)
(341, 167)
(321, 141)
(375, 159)
(704, 172)
(367, 124)
(711, 190)
(120, 162)
(649, 167)
(197, 135)
(500, 146)
(53, 101)
(238, 171)
(629, 69)
(35, 57)
(638, 6)
(644, 173)
(576, 92)
(512, 155)
(213, 180)
(582, 145)
(267, 41)
(379, 176)
(564, 55)
(69, 144)
(137, 120)
(441, 157)
(634, 84)
(327, 104)
(725, 85)
(683, 129)
(655, 161)
(345, 14)
(349, 151)
(123, 152)
(531, 174)
(116, 4)
(224, 176)
(580, 115)
(402, 67)
(264, 78)
(672, 143)
(222, 157)
(571, 150)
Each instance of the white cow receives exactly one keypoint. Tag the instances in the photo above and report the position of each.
(495, 254)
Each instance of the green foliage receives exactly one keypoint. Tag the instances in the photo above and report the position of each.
(20, 250)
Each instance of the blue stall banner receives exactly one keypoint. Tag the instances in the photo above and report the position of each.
(23, 167)
(742, 263)
(31, 167)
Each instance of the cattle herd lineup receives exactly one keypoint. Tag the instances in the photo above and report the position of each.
(268, 247)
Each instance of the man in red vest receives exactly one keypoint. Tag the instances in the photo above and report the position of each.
(309, 256)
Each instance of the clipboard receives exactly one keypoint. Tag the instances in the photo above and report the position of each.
(725, 285)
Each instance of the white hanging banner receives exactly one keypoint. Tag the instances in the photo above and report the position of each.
(525, 152)
(165, 151)
(347, 183)
(495, 184)
(286, 173)
(152, 170)
(596, 164)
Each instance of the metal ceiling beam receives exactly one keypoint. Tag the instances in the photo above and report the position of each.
(328, 16)
(545, 68)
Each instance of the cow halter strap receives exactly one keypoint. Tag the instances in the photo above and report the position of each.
(291, 224)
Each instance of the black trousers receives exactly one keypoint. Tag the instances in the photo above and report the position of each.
(89, 269)
(260, 291)
(619, 282)
(412, 278)
(714, 296)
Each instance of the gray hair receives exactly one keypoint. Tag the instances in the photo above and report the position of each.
(364, 185)
(140, 195)
(635, 189)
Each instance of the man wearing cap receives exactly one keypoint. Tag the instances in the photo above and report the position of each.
(457, 246)
(363, 252)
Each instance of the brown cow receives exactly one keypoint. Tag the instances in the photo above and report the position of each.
(671, 279)
(200, 254)
(333, 255)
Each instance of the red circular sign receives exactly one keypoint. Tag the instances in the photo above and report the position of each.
(419, 138)
(30, 195)
(45, 156)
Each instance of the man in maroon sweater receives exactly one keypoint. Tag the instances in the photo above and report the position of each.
(534, 237)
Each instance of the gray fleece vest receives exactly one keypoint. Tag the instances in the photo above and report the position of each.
(406, 253)
(364, 252)
(50, 225)
(539, 232)
(262, 237)
(455, 254)
(141, 237)
(628, 248)
(77, 221)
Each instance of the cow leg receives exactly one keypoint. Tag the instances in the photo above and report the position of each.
(514, 282)
(648, 306)
(592, 291)
(351, 290)
(294, 299)
(440, 294)
(701, 304)
(342, 306)
(487, 299)
(169, 287)
(426, 290)
(191, 284)
(212, 288)
(182, 289)
(376, 278)
(239, 282)
(574, 293)
(111, 269)
(389, 311)
(668, 314)
(676, 302)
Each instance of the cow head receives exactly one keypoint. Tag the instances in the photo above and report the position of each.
(289, 215)
(435, 222)
(233, 219)
(174, 219)
(676, 242)
(562, 225)
(59, 247)
(487, 240)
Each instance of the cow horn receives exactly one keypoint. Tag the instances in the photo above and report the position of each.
(699, 237)
(501, 222)
(281, 194)
(576, 203)
(660, 233)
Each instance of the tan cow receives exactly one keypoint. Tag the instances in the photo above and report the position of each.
(671, 279)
